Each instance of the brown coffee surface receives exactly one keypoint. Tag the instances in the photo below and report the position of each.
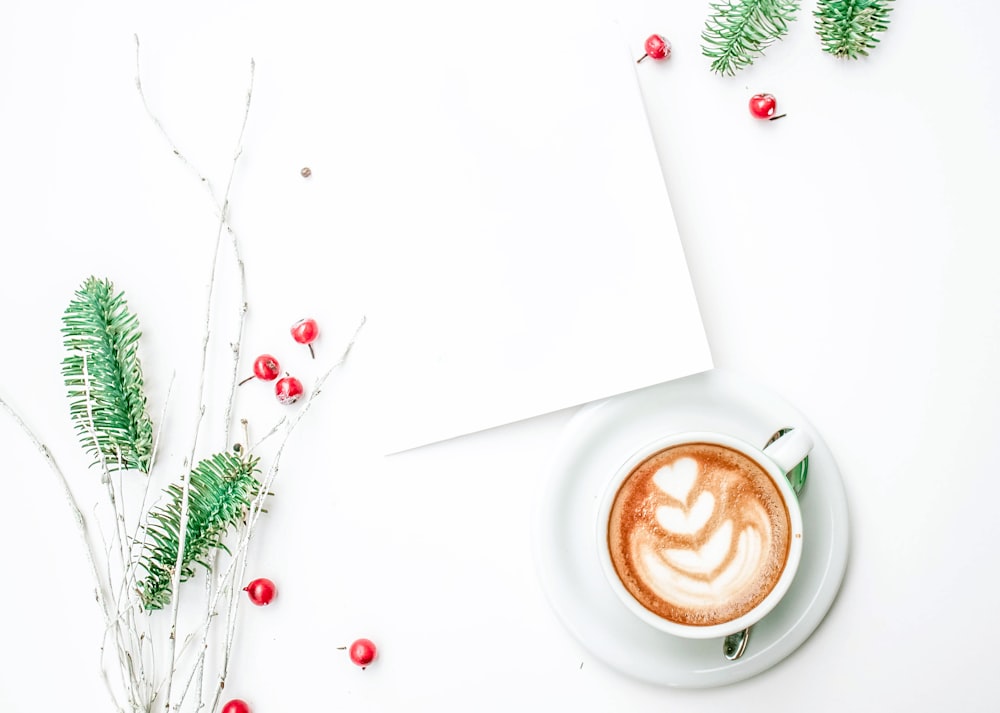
(699, 534)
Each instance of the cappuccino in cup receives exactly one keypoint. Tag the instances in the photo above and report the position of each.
(701, 534)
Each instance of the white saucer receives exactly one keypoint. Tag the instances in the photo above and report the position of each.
(594, 443)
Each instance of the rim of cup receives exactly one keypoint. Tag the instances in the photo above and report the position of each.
(780, 588)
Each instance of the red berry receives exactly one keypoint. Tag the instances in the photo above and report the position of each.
(266, 367)
(237, 705)
(305, 331)
(762, 106)
(657, 47)
(288, 390)
(362, 652)
(261, 591)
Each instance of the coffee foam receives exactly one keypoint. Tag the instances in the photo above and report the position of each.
(699, 534)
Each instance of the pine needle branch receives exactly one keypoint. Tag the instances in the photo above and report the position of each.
(737, 32)
(847, 28)
(104, 377)
(221, 490)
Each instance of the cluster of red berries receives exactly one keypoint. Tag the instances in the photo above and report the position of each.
(762, 106)
(287, 389)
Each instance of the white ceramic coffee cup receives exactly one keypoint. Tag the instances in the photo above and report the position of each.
(776, 460)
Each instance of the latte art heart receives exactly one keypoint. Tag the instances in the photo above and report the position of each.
(677, 479)
(681, 520)
(699, 533)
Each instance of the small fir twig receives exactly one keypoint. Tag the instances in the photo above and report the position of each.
(107, 403)
(848, 28)
(220, 490)
(738, 31)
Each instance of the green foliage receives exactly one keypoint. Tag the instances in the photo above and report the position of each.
(104, 377)
(847, 28)
(738, 31)
(222, 489)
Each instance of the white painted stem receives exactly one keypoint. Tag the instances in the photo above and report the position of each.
(186, 486)
(100, 595)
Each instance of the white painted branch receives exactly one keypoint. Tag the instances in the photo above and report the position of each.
(186, 487)
(100, 595)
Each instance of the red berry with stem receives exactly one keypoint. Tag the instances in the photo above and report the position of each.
(265, 368)
(288, 390)
(763, 106)
(237, 705)
(261, 591)
(657, 47)
(362, 652)
(305, 332)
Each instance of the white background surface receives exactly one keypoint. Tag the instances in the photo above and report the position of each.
(844, 256)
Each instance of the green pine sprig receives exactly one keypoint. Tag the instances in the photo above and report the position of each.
(221, 492)
(737, 32)
(104, 378)
(847, 28)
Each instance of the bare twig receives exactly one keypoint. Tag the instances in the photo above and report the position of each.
(223, 212)
(111, 628)
(186, 487)
(274, 429)
(100, 595)
(180, 156)
(236, 345)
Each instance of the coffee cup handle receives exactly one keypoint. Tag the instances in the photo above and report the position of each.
(790, 450)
